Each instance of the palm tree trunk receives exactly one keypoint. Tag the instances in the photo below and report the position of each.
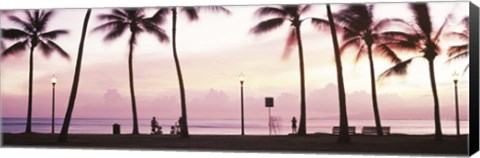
(343, 137)
(132, 89)
(30, 89)
(76, 80)
(183, 123)
(376, 113)
(302, 130)
(438, 126)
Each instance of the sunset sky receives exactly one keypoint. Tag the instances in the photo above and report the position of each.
(213, 52)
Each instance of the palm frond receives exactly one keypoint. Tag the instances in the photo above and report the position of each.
(457, 49)
(14, 34)
(25, 25)
(157, 31)
(45, 48)
(399, 69)
(353, 42)
(116, 32)
(119, 12)
(216, 9)
(360, 53)
(110, 17)
(59, 49)
(15, 48)
(388, 22)
(270, 11)
(458, 56)
(440, 31)
(422, 17)
(191, 13)
(291, 41)
(159, 16)
(267, 25)
(305, 8)
(53, 34)
(43, 19)
(385, 51)
(114, 25)
(459, 35)
(320, 24)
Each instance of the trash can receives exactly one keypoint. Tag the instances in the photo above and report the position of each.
(116, 129)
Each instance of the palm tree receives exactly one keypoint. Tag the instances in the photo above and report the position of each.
(76, 80)
(192, 14)
(460, 51)
(134, 20)
(362, 32)
(343, 137)
(32, 32)
(424, 41)
(292, 14)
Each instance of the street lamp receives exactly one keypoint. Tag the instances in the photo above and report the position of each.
(241, 77)
(54, 81)
(455, 77)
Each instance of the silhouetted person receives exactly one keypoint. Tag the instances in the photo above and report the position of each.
(155, 127)
(173, 130)
(294, 125)
(179, 126)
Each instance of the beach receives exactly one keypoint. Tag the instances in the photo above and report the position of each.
(314, 143)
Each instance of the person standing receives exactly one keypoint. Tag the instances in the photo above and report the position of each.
(294, 125)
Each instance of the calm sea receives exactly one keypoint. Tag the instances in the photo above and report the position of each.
(224, 126)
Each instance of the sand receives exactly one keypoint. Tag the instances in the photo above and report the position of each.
(317, 143)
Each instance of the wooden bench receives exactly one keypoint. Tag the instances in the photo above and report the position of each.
(336, 130)
(369, 130)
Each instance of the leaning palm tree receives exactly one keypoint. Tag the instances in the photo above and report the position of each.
(32, 32)
(76, 80)
(192, 14)
(134, 20)
(280, 14)
(343, 136)
(362, 32)
(424, 41)
(460, 51)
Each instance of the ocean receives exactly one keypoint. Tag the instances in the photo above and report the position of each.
(223, 126)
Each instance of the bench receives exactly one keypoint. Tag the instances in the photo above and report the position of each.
(369, 130)
(336, 130)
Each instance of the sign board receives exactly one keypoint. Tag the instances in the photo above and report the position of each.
(268, 102)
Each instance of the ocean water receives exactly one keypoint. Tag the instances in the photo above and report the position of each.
(223, 126)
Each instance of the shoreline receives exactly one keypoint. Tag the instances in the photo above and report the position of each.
(313, 143)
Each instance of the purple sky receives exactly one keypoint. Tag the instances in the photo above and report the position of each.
(213, 52)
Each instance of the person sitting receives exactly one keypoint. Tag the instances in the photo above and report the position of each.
(172, 130)
(155, 127)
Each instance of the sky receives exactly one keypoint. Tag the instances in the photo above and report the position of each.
(213, 52)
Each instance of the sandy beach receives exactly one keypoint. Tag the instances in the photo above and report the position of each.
(317, 143)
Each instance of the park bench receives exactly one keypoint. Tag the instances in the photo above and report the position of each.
(369, 130)
(336, 130)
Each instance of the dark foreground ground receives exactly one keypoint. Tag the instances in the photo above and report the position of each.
(398, 144)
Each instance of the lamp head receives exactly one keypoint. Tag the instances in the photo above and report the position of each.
(455, 76)
(54, 80)
(241, 77)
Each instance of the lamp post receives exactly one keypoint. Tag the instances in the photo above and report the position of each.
(54, 81)
(242, 79)
(455, 81)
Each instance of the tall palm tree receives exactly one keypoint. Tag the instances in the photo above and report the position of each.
(32, 32)
(362, 32)
(192, 15)
(134, 20)
(280, 14)
(343, 137)
(424, 41)
(76, 80)
(460, 51)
